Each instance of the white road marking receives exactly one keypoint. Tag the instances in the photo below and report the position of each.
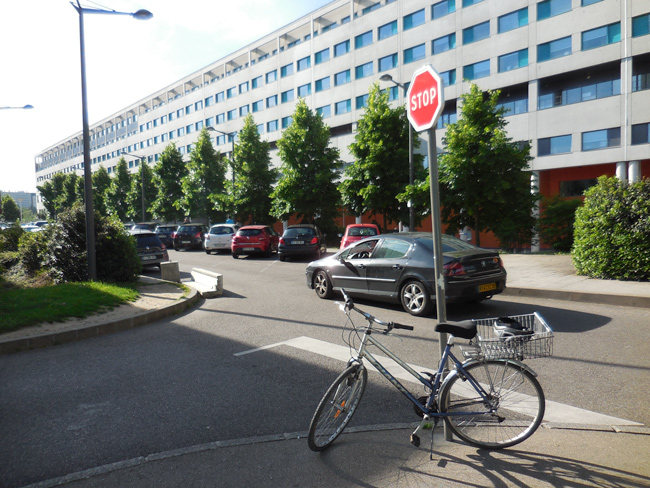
(555, 412)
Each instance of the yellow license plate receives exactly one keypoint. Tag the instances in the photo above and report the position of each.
(488, 287)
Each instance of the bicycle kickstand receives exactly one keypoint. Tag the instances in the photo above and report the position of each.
(424, 424)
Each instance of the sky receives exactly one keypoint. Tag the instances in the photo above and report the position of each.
(126, 60)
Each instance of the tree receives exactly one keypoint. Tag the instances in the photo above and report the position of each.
(73, 191)
(117, 201)
(380, 171)
(484, 183)
(10, 209)
(250, 195)
(309, 171)
(168, 174)
(101, 185)
(50, 192)
(203, 187)
(135, 193)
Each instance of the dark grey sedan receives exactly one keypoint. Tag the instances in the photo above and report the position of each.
(399, 268)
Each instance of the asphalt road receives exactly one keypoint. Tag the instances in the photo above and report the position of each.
(183, 382)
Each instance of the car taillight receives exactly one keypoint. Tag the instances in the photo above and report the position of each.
(173, 235)
(281, 241)
(162, 246)
(314, 240)
(198, 236)
(453, 269)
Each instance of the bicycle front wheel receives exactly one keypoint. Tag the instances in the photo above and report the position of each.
(337, 407)
(512, 412)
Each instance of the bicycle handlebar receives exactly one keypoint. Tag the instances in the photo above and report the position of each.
(349, 305)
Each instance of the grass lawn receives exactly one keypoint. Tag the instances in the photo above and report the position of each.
(21, 307)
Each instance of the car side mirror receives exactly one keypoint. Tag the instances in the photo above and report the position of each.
(339, 234)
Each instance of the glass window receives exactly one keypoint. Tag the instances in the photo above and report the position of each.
(232, 114)
(554, 145)
(469, 3)
(271, 76)
(221, 118)
(387, 30)
(231, 92)
(641, 25)
(363, 40)
(444, 43)
(304, 90)
(476, 32)
(286, 70)
(243, 87)
(515, 60)
(304, 63)
(589, 2)
(325, 111)
(256, 82)
(343, 107)
(599, 139)
(260, 128)
(513, 104)
(209, 101)
(363, 70)
(342, 48)
(443, 8)
(322, 56)
(209, 122)
(601, 36)
(640, 134)
(272, 126)
(414, 19)
(361, 101)
(477, 70)
(286, 121)
(342, 78)
(551, 8)
(323, 84)
(448, 77)
(387, 62)
(271, 101)
(257, 106)
(391, 249)
(414, 53)
(554, 49)
(287, 96)
(219, 97)
(513, 20)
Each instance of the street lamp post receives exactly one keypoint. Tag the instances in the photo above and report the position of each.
(232, 148)
(388, 77)
(143, 161)
(88, 183)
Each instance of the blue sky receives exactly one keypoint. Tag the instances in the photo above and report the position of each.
(126, 60)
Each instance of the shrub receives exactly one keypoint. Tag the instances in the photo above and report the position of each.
(117, 254)
(32, 250)
(612, 231)
(556, 222)
(9, 238)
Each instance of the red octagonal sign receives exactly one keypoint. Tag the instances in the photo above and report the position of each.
(425, 98)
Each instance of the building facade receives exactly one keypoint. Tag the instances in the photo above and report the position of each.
(574, 77)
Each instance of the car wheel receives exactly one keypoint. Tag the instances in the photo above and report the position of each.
(322, 285)
(268, 252)
(415, 298)
(281, 257)
(207, 251)
(235, 256)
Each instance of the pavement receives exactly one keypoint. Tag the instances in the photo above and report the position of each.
(569, 455)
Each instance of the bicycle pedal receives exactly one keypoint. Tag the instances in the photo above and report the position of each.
(415, 440)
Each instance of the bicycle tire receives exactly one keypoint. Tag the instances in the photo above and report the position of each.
(518, 395)
(337, 407)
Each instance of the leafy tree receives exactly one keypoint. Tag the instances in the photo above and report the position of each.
(380, 171)
(10, 209)
(309, 170)
(101, 185)
(50, 192)
(254, 177)
(168, 174)
(135, 193)
(556, 222)
(484, 183)
(203, 187)
(117, 201)
(73, 191)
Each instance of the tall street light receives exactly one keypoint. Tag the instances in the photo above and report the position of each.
(143, 161)
(388, 77)
(232, 147)
(88, 183)
(26, 107)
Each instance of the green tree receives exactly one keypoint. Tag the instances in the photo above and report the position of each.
(309, 170)
(117, 201)
(203, 187)
(73, 191)
(135, 193)
(101, 184)
(168, 174)
(250, 195)
(50, 193)
(10, 210)
(484, 182)
(380, 170)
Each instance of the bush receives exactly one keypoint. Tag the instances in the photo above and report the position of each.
(117, 254)
(32, 250)
(556, 222)
(9, 238)
(612, 231)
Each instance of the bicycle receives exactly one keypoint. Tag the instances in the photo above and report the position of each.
(491, 400)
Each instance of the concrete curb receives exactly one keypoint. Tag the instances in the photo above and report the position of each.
(580, 296)
(53, 339)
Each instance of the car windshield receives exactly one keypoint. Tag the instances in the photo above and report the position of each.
(189, 228)
(249, 232)
(147, 241)
(299, 231)
(362, 231)
(220, 230)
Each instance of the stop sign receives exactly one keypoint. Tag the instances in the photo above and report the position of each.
(425, 98)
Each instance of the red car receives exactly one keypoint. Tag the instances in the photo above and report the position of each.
(356, 232)
(254, 239)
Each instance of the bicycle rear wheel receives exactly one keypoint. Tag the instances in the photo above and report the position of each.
(337, 407)
(517, 398)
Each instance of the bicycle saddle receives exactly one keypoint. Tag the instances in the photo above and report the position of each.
(507, 327)
(465, 329)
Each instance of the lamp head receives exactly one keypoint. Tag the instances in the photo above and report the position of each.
(142, 14)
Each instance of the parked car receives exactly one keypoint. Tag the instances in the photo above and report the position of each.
(219, 237)
(254, 239)
(151, 250)
(165, 233)
(189, 236)
(400, 268)
(301, 240)
(356, 232)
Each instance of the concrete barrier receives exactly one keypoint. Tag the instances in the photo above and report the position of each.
(208, 283)
(169, 271)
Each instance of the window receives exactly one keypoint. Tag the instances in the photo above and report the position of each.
(209, 122)
(286, 121)
(640, 74)
(221, 118)
(231, 92)
(342, 78)
(181, 133)
(387, 62)
(641, 25)
(361, 101)
(243, 87)
(256, 82)
(286, 70)
(448, 77)
(271, 101)
(257, 106)
(221, 140)
(287, 96)
(514, 103)
(232, 114)
(304, 63)
(518, 59)
(322, 56)
(448, 116)
(304, 90)
(209, 101)
(325, 111)
(576, 188)
(444, 43)
(414, 53)
(477, 70)
(272, 126)
(343, 107)
(219, 97)
(414, 19)
(271, 76)
(342, 48)
(260, 128)
(469, 3)
(554, 145)
(363, 70)
(199, 125)
(568, 91)
(243, 110)
(391, 249)
(554, 49)
(363, 40)
(640, 134)
(387, 30)
(477, 32)
(599, 139)
(323, 84)
(601, 36)
(551, 8)
(441, 9)
(589, 2)
(513, 20)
